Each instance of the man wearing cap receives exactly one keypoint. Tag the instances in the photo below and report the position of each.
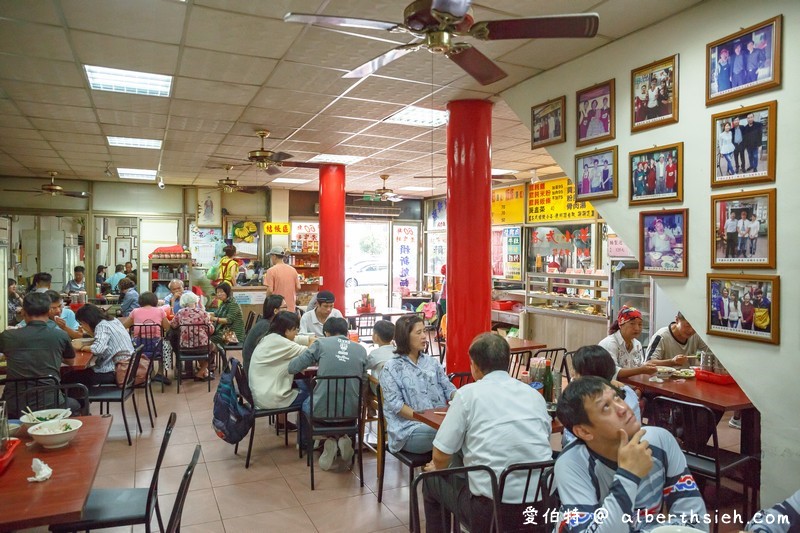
(312, 321)
(282, 279)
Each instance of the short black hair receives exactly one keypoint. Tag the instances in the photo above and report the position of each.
(226, 288)
(229, 250)
(79, 268)
(571, 410)
(402, 333)
(11, 281)
(594, 360)
(42, 277)
(148, 298)
(271, 306)
(283, 322)
(36, 304)
(384, 329)
(92, 315)
(54, 296)
(119, 268)
(335, 326)
(490, 352)
(100, 268)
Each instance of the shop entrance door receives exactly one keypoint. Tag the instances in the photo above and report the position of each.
(366, 262)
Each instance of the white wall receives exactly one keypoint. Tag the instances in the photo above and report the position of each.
(767, 373)
(237, 203)
(35, 201)
(139, 198)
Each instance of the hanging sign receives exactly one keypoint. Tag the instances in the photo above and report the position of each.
(508, 205)
(507, 253)
(554, 200)
(437, 215)
(277, 228)
(405, 247)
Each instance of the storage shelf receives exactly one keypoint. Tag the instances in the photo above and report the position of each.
(631, 295)
(185, 260)
(565, 298)
(516, 292)
(586, 277)
(564, 313)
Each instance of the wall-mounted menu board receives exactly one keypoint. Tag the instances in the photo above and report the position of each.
(554, 200)
(508, 205)
(507, 253)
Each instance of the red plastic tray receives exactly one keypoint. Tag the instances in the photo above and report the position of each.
(711, 377)
(7, 457)
(503, 305)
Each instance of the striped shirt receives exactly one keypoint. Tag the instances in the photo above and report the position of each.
(110, 338)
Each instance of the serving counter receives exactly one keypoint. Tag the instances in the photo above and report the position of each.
(250, 298)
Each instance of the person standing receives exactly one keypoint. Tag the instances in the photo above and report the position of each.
(738, 145)
(14, 303)
(753, 133)
(672, 174)
(282, 278)
(731, 235)
(743, 232)
(724, 308)
(739, 74)
(755, 226)
(726, 147)
(77, 283)
(661, 175)
(228, 267)
(652, 99)
(763, 312)
(723, 71)
(748, 312)
(755, 60)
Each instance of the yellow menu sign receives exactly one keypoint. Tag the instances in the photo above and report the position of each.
(276, 228)
(508, 205)
(551, 201)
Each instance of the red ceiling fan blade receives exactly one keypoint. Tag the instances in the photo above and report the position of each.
(273, 169)
(382, 60)
(339, 22)
(477, 65)
(280, 156)
(578, 25)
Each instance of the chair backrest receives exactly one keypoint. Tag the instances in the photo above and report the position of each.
(130, 374)
(460, 379)
(566, 366)
(78, 391)
(463, 470)
(554, 355)
(198, 335)
(174, 524)
(381, 420)
(519, 361)
(338, 395)
(152, 491)
(149, 335)
(690, 423)
(365, 324)
(17, 399)
(251, 319)
(535, 495)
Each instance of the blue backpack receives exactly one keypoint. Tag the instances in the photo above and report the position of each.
(233, 416)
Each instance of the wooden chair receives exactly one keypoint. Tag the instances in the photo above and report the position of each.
(113, 394)
(536, 494)
(174, 524)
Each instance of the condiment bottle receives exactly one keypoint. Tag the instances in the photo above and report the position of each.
(547, 381)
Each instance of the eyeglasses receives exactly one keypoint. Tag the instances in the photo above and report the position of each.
(284, 306)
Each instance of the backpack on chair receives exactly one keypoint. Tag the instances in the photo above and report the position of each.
(232, 418)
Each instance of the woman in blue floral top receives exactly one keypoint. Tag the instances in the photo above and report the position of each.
(412, 381)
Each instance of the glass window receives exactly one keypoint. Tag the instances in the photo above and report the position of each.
(561, 245)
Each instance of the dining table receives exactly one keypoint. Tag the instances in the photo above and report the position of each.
(25, 504)
(80, 362)
(434, 417)
(522, 345)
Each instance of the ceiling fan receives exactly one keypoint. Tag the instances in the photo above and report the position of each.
(437, 24)
(52, 189)
(270, 161)
(228, 185)
(379, 195)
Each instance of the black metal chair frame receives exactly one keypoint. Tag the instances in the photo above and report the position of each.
(365, 323)
(466, 470)
(251, 319)
(518, 361)
(106, 394)
(196, 354)
(174, 524)
(82, 395)
(459, 379)
(246, 395)
(157, 354)
(113, 507)
(542, 501)
(336, 421)
(31, 382)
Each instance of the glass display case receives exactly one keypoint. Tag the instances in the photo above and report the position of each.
(580, 295)
(628, 287)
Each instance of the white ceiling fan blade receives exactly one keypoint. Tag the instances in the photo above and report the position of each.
(382, 60)
(339, 22)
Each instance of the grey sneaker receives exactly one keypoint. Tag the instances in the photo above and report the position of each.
(328, 454)
(735, 423)
(346, 447)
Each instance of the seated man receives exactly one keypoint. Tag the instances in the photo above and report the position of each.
(616, 465)
(41, 282)
(34, 351)
(336, 355)
(382, 335)
(60, 316)
(671, 344)
(596, 361)
(497, 421)
(176, 290)
(312, 321)
(77, 283)
(119, 273)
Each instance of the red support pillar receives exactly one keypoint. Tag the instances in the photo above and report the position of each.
(469, 225)
(331, 231)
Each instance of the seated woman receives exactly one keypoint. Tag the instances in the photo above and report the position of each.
(129, 298)
(111, 340)
(272, 306)
(270, 382)
(227, 315)
(188, 314)
(412, 381)
(596, 361)
(149, 314)
(624, 346)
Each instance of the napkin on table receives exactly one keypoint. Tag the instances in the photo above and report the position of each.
(41, 471)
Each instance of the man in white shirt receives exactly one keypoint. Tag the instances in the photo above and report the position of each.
(755, 226)
(731, 236)
(312, 321)
(743, 232)
(497, 421)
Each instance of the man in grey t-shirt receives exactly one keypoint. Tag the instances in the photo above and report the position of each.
(671, 345)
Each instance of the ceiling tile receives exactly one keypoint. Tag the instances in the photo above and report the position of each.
(273, 8)
(195, 137)
(307, 78)
(18, 133)
(36, 40)
(390, 90)
(40, 70)
(272, 119)
(152, 20)
(213, 91)
(48, 94)
(548, 53)
(334, 49)
(118, 130)
(127, 54)
(124, 118)
(187, 108)
(133, 103)
(616, 20)
(200, 125)
(350, 107)
(62, 112)
(339, 124)
(224, 66)
(43, 11)
(76, 147)
(73, 137)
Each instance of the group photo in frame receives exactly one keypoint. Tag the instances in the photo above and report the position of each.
(654, 90)
(744, 306)
(656, 174)
(744, 62)
(663, 242)
(744, 225)
(596, 174)
(595, 113)
(743, 145)
(547, 122)
(209, 208)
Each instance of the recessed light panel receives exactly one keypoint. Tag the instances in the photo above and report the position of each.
(128, 81)
(419, 116)
(336, 159)
(129, 142)
(137, 174)
(291, 181)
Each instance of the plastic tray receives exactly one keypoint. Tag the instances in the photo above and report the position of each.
(8, 456)
(711, 377)
(503, 305)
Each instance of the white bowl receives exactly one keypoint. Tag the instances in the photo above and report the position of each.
(56, 433)
(45, 415)
(664, 372)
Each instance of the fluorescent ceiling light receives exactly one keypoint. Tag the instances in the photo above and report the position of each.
(129, 142)
(128, 81)
(501, 172)
(337, 159)
(137, 174)
(418, 116)
(416, 188)
(292, 181)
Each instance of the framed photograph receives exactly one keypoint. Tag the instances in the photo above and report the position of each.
(743, 224)
(744, 306)
(596, 174)
(656, 174)
(209, 208)
(654, 89)
(744, 62)
(122, 250)
(664, 242)
(743, 145)
(547, 123)
(123, 232)
(595, 113)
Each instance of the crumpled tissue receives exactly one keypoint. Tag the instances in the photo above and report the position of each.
(41, 471)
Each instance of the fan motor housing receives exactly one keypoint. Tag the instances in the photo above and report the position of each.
(418, 17)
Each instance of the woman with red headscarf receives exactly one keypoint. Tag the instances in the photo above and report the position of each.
(624, 346)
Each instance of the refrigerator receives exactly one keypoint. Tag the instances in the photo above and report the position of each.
(627, 287)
